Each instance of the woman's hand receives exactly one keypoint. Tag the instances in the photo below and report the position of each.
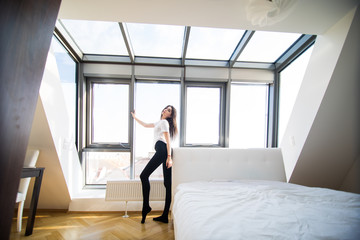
(133, 114)
(169, 162)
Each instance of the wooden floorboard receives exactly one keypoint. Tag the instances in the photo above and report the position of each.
(57, 225)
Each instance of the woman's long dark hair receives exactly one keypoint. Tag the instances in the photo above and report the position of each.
(172, 122)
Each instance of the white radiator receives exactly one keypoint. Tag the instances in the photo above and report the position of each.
(131, 190)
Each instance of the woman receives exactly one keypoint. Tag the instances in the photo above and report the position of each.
(164, 130)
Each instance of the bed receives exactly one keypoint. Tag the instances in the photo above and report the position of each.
(243, 194)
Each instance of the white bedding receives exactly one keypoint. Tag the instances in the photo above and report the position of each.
(263, 210)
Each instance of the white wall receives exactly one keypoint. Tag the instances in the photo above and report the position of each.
(54, 193)
(324, 122)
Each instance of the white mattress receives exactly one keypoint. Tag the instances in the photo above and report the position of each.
(263, 210)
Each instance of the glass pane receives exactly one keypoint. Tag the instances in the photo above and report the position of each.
(67, 71)
(110, 113)
(106, 166)
(151, 98)
(290, 81)
(203, 115)
(212, 43)
(94, 37)
(267, 46)
(150, 40)
(248, 116)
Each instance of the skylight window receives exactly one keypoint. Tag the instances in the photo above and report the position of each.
(163, 44)
(267, 46)
(212, 43)
(151, 40)
(94, 37)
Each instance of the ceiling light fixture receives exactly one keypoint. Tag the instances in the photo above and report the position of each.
(268, 12)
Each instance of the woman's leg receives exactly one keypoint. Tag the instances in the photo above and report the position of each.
(167, 183)
(154, 163)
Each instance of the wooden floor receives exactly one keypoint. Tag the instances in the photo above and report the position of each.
(110, 225)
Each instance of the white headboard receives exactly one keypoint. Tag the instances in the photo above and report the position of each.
(205, 164)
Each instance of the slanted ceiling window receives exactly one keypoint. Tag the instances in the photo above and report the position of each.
(188, 45)
(150, 40)
(92, 37)
(267, 46)
(212, 43)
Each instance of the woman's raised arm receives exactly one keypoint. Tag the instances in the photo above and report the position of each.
(147, 125)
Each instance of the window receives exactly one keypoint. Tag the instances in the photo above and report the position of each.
(95, 37)
(107, 154)
(101, 167)
(203, 45)
(203, 115)
(290, 82)
(109, 113)
(151, 40)
(267, 46)
(150, 100)
(212, 43)
(67, 71)
(248, 115)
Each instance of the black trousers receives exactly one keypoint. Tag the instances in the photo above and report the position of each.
(159, 158)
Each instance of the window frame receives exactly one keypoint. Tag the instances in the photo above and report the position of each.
(56, 38)
(280, 124)
(90, 145)
(155, 80)
(296, 50)
(267, 107)
(222, 117)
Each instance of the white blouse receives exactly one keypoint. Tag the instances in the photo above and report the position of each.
(159, 129)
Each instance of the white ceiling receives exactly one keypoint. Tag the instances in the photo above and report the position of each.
(308, 16)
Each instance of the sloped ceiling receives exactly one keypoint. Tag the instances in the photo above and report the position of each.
(307, 16)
